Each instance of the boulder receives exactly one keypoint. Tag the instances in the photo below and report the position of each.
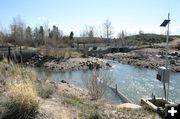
(107, 64)
(63, 81)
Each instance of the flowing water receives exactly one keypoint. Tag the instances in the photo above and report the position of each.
(134, 82)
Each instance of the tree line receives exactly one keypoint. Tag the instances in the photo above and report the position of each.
(20, 34)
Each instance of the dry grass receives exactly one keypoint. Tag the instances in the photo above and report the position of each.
(22, 98)
(9, 71)
(23, 102)
(45, 90)
(60, 53)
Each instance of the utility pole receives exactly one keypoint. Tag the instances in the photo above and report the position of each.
(167, 49)
(167, 41)
(164, 72)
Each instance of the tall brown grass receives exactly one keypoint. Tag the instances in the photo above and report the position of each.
(22, 97)
(60, 53)
(9, 71)
(23, 102)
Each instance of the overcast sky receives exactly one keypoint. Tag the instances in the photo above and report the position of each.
(73, 15)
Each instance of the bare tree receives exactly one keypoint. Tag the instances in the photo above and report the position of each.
(91, 32)
(46, 32)
(18, 27)
(28, 33)
(96, 83)
(108, 29)
(88, 31)
(121, 36)
(1, 35)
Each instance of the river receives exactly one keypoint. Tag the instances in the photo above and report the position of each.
(134, 82)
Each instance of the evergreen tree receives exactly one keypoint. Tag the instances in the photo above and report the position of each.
(28, 33)
(71, 36)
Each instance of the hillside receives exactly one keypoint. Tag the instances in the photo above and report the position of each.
(140, 39)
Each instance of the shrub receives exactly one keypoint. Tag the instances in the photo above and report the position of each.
(96, 83)
(23, 102)
(45, 91)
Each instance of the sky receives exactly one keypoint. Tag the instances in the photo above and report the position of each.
(73, 15)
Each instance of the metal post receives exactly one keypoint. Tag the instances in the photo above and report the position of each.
(167, 40)
(167, 48)
(164, 86)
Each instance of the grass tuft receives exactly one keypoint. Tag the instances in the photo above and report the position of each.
(46, 90)
(23, 102)
(22, 98)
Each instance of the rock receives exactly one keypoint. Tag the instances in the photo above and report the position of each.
(63, 81)
(90, 66)
(146, 66)
(172, 61)
(107, 64)
(129, 105)
(98, 66)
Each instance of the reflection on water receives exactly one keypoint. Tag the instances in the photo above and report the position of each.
(134, 82)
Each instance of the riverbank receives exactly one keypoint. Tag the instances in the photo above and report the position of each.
(22, 92)
(148, 58)
(70, 64)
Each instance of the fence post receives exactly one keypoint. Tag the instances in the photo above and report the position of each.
(20, 54)
(116, 89)
(9, 53)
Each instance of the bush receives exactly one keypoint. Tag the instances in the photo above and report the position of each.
(23, 102)
(96, 83)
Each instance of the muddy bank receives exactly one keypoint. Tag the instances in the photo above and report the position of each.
(71, 64)
(148, 58)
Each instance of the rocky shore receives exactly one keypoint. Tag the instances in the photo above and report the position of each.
(71, 64)
(148, 58)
